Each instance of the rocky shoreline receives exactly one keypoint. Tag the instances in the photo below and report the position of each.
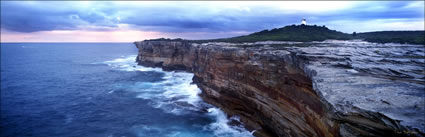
(300, 89)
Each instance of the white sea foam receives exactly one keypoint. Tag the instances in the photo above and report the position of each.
(129, 64)
(176, 95)
(222, 128)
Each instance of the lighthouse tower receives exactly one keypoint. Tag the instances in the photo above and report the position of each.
(303, 22)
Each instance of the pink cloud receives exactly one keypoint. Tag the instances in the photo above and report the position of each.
(79, 36)
(107, 36)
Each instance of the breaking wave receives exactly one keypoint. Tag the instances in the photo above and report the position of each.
(175, 94)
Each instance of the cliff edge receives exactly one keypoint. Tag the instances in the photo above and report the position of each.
(305, 89)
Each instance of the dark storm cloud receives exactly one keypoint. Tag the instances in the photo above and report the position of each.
(23, 18)
(377, 10)
(40, 16)
(176, 17)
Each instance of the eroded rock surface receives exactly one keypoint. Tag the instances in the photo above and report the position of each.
(323, 89)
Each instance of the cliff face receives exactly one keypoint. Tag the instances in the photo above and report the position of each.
(274, 91)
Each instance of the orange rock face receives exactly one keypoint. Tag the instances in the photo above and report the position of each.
(268, 89)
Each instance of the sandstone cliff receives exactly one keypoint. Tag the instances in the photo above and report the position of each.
(293, 90)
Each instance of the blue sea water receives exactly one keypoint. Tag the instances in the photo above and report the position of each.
(97, 90)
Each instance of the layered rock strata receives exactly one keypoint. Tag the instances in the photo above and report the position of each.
(298, 89)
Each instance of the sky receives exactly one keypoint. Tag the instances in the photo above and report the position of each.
(120, 21)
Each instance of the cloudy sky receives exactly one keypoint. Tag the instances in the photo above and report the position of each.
(101, 21)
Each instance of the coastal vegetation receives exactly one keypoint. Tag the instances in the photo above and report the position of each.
(410, 37)
(301, 33)
(308, 33)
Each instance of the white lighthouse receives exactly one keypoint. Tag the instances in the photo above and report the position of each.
(303, 22)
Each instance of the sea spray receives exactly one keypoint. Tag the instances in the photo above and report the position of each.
(176, 95)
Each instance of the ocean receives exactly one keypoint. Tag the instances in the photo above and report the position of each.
(97, 90)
